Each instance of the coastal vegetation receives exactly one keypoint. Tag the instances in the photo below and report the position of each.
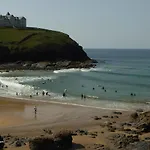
(36, 45)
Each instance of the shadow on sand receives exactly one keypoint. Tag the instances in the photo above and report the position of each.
(76, 146)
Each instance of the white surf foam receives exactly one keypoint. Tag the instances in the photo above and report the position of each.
(66, 70)
(14, 86)
(31, 79)
(82, 70)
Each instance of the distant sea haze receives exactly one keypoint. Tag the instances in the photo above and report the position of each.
(121, 80)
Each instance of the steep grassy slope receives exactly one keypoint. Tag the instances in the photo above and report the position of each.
(33, 44)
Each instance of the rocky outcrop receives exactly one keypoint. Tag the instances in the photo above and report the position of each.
(55, 65)
(39, 45)
(122, 140)
(41, 143)
(143, 122)
(41, 49)
(59, 141)
(1, 143)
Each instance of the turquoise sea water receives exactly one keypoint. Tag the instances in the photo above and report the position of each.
(125, 71)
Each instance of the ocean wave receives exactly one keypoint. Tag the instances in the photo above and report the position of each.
(66, 70)
(82, 70)
(12, 86)
(31, 79)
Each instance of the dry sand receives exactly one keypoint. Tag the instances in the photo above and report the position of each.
(18, 119)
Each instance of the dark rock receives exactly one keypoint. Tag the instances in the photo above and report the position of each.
(141, 145)
(97, 118)
(18, 143)
(117, 112)
(93, 134)
(1, 143)
(94, 61)
(111, 129)
(122, 140)
(42, 143)
(82, 132)
(42, 65)
(145, 127)
(63, 140)
(48, 131)
(74, 134)
(105, 116)
(47, 65)
(133, 132)
(107, 123)
(127, 129)
(97, 146)
(116, 116)
(62, 64)
(144, 117)
(147, 138)
(134, 115)
(139, 110)
(128, 124)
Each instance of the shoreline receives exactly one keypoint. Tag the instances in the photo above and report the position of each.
(72, 104)
(100, 105)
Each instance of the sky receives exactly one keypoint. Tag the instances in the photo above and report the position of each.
(92, 23)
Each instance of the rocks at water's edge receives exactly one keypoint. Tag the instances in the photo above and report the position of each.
(28, 65)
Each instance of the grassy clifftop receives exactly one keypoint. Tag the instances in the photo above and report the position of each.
(32, 44)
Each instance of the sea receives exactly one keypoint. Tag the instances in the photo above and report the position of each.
(120, 81)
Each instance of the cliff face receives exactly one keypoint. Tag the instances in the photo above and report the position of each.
(36, 45)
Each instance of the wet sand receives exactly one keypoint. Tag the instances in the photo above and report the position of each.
(15, 112)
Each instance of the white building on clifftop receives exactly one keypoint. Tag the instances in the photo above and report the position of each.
(11, 21)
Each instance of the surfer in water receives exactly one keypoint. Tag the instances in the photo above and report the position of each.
(64, 93)
(82, 96)
(43, 93)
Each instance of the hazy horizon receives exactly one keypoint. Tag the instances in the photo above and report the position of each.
(117, 24)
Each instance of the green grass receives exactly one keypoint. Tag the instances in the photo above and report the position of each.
(38, 44)
(11, 37)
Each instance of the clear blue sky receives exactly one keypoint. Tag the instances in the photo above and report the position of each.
(92, 23)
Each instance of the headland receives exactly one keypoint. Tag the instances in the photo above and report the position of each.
(34, 48)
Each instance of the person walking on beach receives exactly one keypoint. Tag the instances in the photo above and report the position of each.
(35, 110)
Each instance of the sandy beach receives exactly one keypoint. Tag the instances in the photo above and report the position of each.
(18, 114)
(17, 118)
